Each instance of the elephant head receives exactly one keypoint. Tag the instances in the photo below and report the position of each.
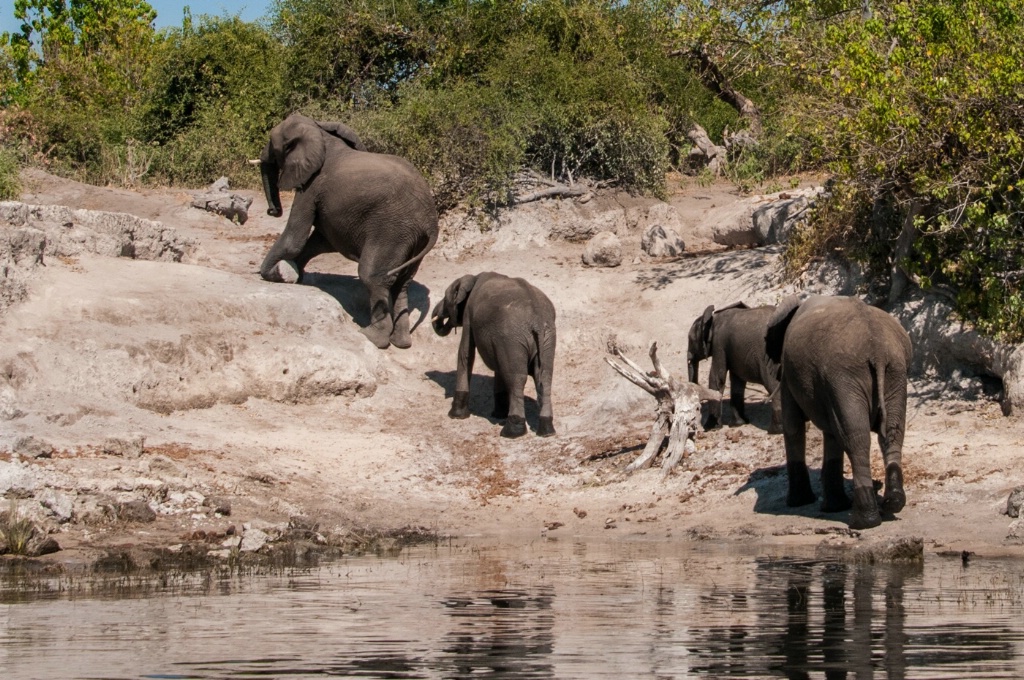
(296, 152)
(698, 345)
(448, 312)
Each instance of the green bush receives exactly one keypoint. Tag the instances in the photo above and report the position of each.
(10, 183)
(921, 106)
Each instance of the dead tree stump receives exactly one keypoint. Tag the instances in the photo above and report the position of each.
(678, 410)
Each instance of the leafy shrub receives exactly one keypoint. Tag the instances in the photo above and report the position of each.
(10, 183)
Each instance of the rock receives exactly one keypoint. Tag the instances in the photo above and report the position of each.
(18, 480)
(900, 549)
(135, 511)
(129, 447)
(8, 402)
(253, 539)
(219, 199)
(284, 271)
(603, 250)
(31, 447)
(41, 544)
(659, 241)
(1015, 501)
(301, 523)
(1013, 383)
(60, 505)
(221, 505)
(774, 222)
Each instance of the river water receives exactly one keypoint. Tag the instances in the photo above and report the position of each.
(541, 609)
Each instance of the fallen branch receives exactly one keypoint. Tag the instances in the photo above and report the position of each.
(678, 409)
(560, 190)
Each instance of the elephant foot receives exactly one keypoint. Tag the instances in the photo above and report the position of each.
(865, 513)
(285, 271)
(377, 337)
(800, 492)
(712, 424)
(546, 427)
(775, 427)
(514, 427)
(400, 336)
(460, 406)
(895, 498)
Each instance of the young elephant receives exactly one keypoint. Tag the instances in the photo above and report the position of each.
(512, 325)
(844, 368)
(734, 339)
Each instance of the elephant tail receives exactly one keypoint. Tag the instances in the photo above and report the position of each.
(416, 258)
(878, 366)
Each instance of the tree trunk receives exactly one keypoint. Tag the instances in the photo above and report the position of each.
(713, 79)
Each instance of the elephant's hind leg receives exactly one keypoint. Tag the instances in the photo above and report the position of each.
(737, 388)
(546, 424)
(500, 397)
(865, 513)
(401, 334)
(794, 432)
(379, 287)
(515, 424)
(834, 498)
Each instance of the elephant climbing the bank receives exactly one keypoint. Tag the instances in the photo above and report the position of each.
(843, 367)
(512, 324)
(372, 208)
(734, 339)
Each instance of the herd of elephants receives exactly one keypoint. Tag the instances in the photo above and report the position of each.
(834, 361)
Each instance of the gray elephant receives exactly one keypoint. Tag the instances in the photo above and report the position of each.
(512, 324)
(844, 368)
(734, 339)
(372, 208)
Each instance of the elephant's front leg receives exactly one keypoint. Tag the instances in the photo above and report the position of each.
(463, 372)
(515, 424)
(290, 244)
(379, 287)
(716, 382)
(737, 389)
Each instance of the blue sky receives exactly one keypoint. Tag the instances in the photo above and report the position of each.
(168, 12)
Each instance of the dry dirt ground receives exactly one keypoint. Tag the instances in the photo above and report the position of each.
(394, 459)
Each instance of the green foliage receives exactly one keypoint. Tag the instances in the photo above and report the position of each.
(922, 105)
(10, 184)
(215, 88)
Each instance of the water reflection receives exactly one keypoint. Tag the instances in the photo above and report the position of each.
(537, 610)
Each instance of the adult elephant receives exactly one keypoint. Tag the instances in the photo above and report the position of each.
(844, 368)
(512, 324)
(372, 208)
(733, 337)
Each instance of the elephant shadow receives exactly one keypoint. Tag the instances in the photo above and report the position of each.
(354, 298)
(771, 485)
(481, 396)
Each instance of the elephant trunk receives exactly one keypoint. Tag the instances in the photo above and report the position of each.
(269, 172)
(440, 320)
(691, 367)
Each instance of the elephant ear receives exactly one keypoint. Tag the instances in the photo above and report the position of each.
(342, 132)
(455, 298)
(304, 149)
(707, 326)
(778, 324)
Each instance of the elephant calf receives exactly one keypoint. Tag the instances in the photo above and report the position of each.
(512, 324)
(734, 339)
(844, 368)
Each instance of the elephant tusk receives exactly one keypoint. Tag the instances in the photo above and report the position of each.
(434, 319)
(254, 161)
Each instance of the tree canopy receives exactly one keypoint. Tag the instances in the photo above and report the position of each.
(913, 108)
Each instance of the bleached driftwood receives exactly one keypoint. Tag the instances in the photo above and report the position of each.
(678, 409)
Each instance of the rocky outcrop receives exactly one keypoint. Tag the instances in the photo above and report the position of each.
(31, 233)
(221, 200)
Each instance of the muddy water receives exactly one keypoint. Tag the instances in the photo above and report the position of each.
(545, 609)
